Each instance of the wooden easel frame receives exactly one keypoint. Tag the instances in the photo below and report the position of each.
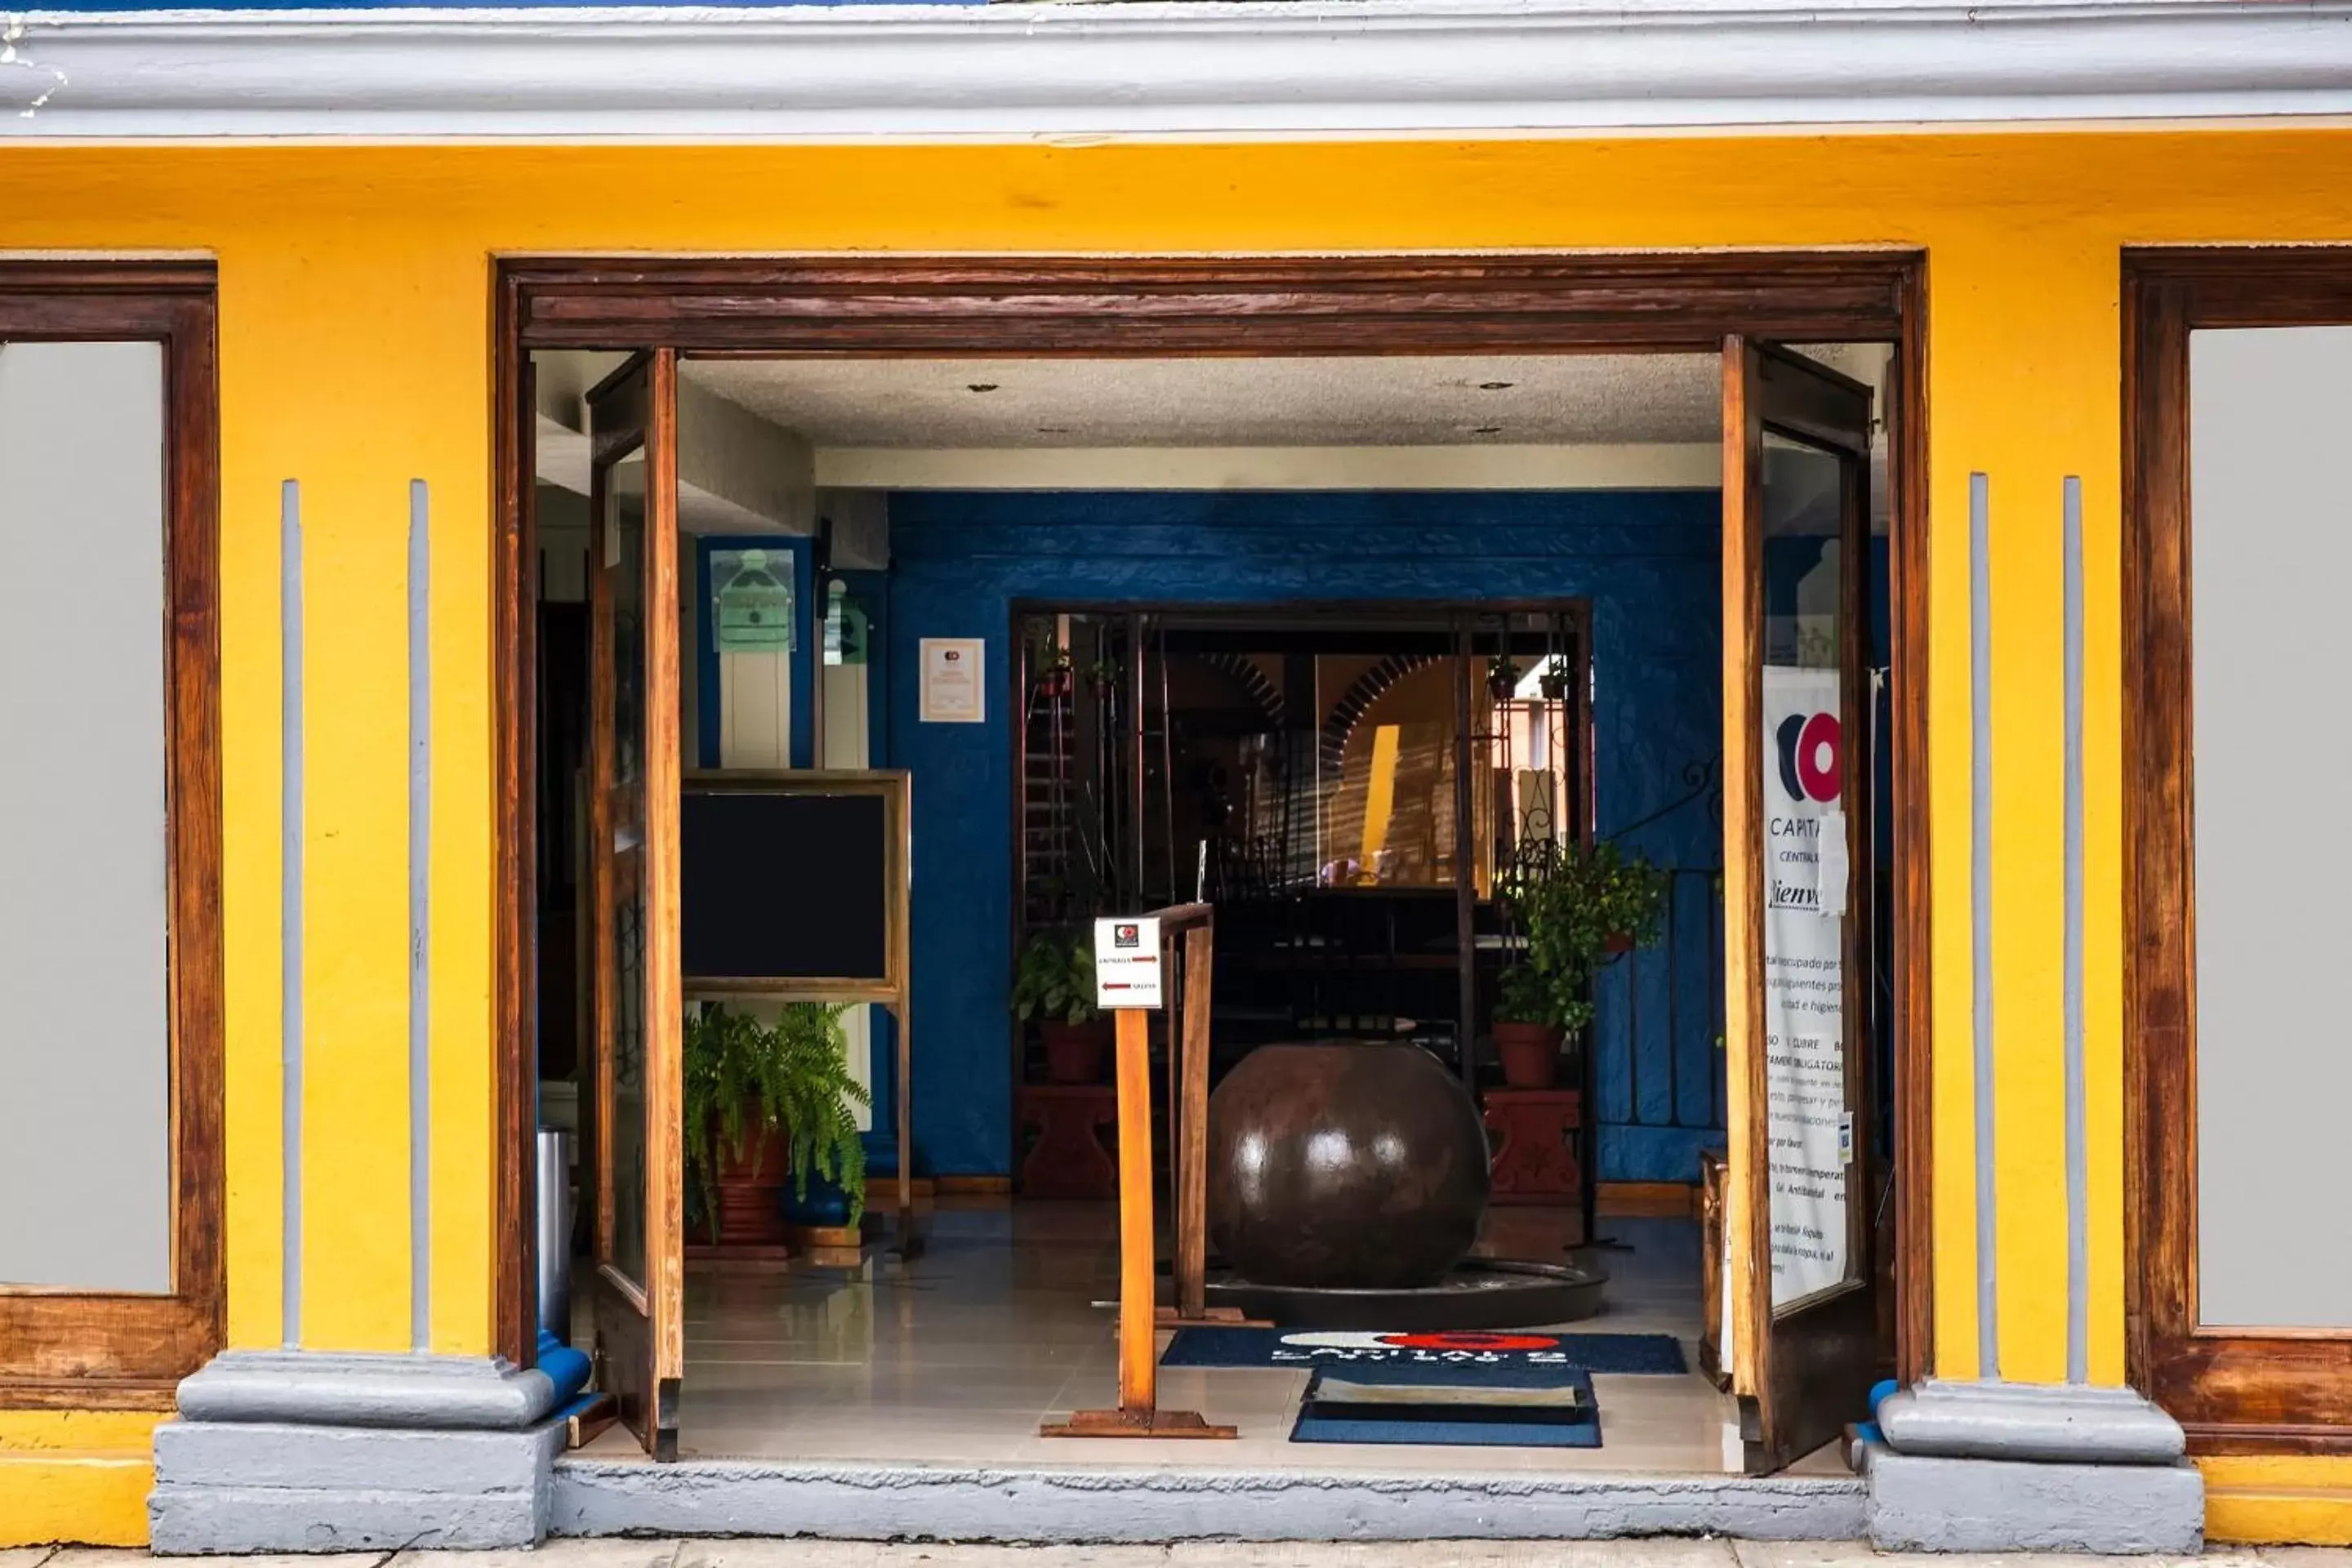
(893, 988)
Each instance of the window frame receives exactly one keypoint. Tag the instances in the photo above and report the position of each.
(61, 1347)
(2233, 1390)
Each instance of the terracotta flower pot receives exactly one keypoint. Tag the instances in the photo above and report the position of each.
(751, 1186)
(1530, 1053)
(1074, 1052)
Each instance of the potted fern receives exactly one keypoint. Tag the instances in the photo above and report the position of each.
(767, 1107)
(1587, 906)
(1054, 987)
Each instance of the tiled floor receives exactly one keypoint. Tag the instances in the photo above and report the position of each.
(1006, 1320)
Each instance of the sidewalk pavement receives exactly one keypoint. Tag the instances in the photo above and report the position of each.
(1649, 1553)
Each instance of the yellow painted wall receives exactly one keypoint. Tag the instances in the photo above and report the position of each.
(2272, 1500)
(75, 1475)
(354, 352)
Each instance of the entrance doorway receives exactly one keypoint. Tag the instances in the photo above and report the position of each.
(1819, 1062)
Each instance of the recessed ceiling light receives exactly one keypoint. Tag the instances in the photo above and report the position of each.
(1496, 385)
(979, 387)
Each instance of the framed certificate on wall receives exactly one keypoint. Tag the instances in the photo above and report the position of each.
(953, 685)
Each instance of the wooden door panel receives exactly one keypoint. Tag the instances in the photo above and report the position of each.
(635, 1292)
(1796, 464)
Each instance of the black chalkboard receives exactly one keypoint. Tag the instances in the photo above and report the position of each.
(788, 886)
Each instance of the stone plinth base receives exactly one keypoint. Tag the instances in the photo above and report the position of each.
(308, 1452)
(2019, 1466)
(1923, 1503)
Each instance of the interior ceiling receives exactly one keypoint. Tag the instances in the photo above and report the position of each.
(1561, 399)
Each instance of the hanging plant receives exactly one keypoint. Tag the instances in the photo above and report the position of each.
(1502, 678)
(1590, 904)
(1054, 677)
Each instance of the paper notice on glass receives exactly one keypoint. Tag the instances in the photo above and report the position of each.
(1809, 1134)
(1807, 1126)
(1832, 864)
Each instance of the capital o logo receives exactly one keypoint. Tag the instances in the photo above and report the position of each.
(1812, 749)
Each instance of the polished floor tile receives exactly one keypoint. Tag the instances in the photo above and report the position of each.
(1007, 1321)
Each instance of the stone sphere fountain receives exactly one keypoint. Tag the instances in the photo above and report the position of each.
(1348, 1182)
(1352, 1165)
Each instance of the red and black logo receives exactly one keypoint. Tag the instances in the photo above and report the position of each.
(1811, 752)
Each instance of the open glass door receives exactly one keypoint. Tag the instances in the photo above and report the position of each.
(1802, 1303)
(636, 1289)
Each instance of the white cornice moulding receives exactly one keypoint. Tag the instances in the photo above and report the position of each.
(1190, 69)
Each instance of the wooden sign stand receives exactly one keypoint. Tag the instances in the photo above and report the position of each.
(1138, 1414)
(1193, 926)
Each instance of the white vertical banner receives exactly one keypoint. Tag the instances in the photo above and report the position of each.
(1809, 1133)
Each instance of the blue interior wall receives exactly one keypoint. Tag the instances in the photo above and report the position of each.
(1647, 560)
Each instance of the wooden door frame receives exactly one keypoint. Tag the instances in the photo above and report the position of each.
(1177, 306)
(90, 1350)
(1816, 405)
(2234, 1392)
(644, 1315)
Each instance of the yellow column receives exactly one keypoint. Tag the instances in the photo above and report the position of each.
(2024, 363)
(354, 361)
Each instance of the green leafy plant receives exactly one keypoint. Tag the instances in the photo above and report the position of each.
(742, 1077)
(1573, 913)
(1055, 980)
(1523, 997)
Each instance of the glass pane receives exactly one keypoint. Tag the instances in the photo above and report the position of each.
(1385, 770)
(846, 633)
(2271, 543)
(624, 564)
(755, 627)
(1524, 727)
(1808, 1121)
(848, 700)
(84, 1042)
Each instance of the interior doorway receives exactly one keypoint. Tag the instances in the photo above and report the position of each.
(1794, 565)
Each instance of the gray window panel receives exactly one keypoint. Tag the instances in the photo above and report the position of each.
(2271, 523)
(85, 1050)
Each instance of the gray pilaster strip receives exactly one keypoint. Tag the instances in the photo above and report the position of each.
(2078, 1228)
(1981, 899)
(289, 620)
(420, 886)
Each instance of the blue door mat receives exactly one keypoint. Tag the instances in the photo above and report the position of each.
(1510, 1358)
(1343, 1409)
